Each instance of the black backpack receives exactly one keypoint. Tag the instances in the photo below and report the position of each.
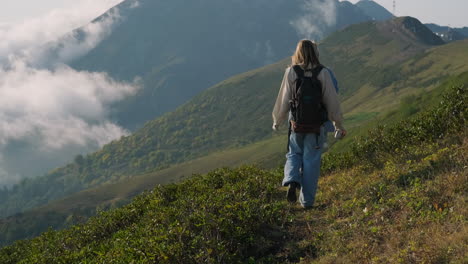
(307, 108)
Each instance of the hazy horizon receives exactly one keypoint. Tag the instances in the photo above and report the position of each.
(13, 12)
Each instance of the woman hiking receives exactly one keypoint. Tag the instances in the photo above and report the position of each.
(307, 98)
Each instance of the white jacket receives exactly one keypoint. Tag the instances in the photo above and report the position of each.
(330, 98)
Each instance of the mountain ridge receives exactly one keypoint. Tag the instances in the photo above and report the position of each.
(449, 33)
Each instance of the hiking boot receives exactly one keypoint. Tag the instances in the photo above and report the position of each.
(291, 195)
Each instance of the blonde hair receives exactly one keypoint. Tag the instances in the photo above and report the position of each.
(306, 54)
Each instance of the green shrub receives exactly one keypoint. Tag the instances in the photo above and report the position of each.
(221, 217)
(391, 142)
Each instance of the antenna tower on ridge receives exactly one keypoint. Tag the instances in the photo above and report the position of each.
(394, 7)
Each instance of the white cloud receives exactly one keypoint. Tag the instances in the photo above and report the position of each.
(47, 106)
(58, 107)
(51, 39)
(72, 45)
(319, 14)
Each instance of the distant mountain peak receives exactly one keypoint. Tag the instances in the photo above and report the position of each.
(414, 28)
(374, 10)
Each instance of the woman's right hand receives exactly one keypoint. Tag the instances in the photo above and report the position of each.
(340, 134)
(343, 133)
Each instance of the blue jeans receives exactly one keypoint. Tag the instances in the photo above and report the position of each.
(303, 164)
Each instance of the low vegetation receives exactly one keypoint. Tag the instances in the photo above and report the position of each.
(398, 196)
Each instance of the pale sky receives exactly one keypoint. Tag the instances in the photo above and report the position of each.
(443, 12)
(13, 11)
(17, 11)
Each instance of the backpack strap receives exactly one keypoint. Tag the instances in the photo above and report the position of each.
(299, 71)
(316, 71)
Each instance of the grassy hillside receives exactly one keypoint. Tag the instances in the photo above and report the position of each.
(375, 52)
(237, 112)
(409, 105)
(398, 195)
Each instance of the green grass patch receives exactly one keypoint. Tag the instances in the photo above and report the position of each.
(359, 118)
